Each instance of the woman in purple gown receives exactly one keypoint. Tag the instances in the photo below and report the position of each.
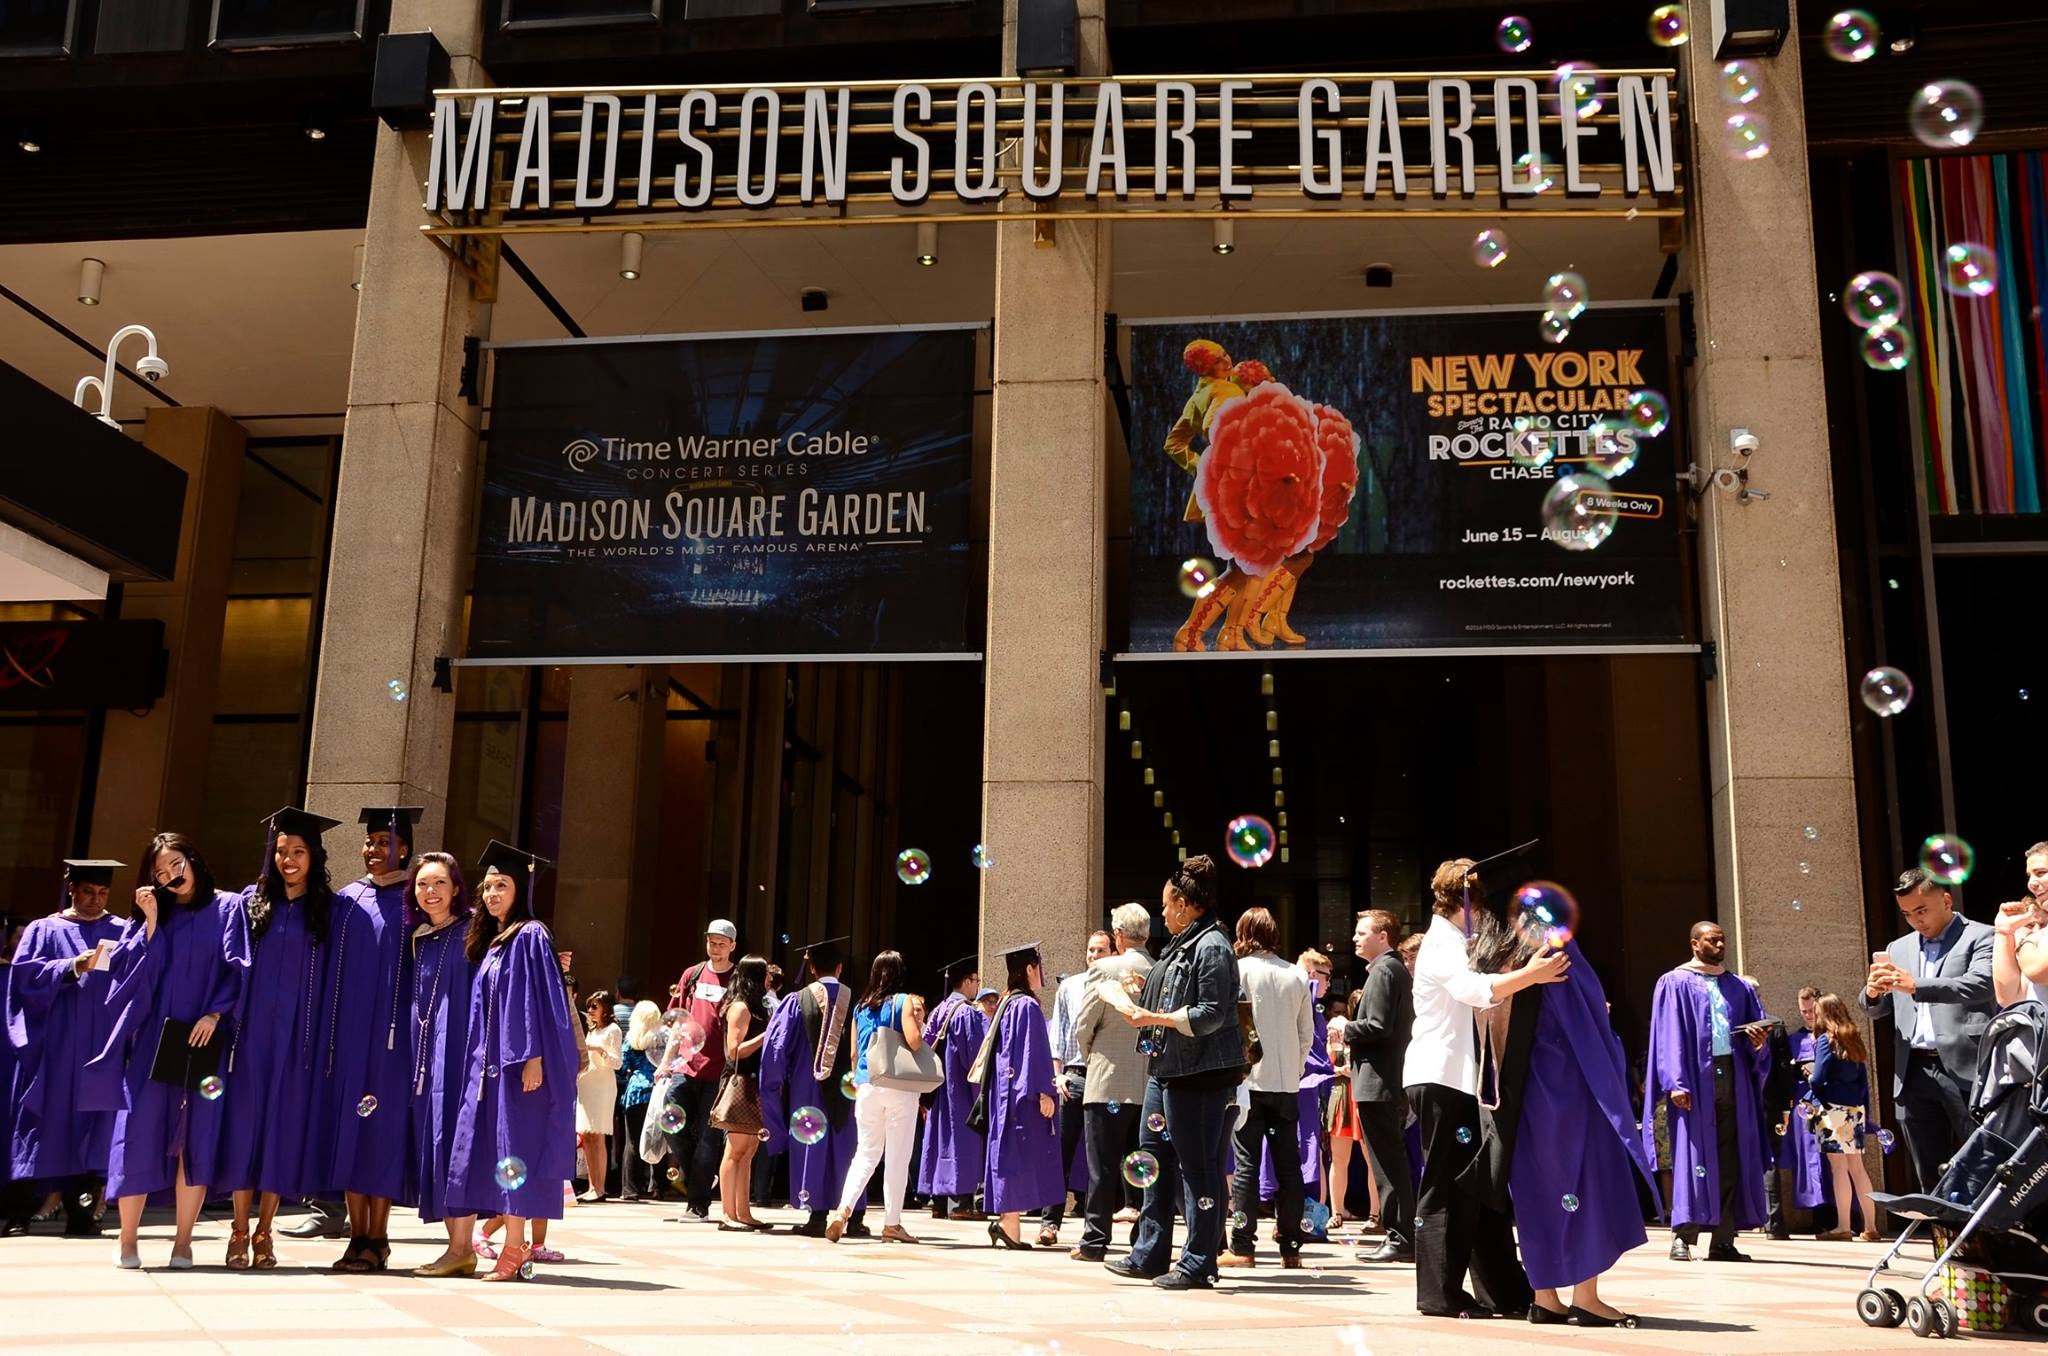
(183, 959)
(437, 911)
(270, 1053)
(513, 1144)
(1024, 1170)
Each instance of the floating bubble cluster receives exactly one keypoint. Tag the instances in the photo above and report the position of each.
(1572, 518)
(1608, 453)
(1874, 300)
(1649, 413)
(1850, 36)
(1197, 577)
(1887, 691)
(1579, 81)
(1947, 858)
(510, 1174)
(1545, 914)
(1464, 1134)
(1530, 443)
(1141, 1169)
(397, 690)
(1533, 174)
(1490, 249)
(211, 1088)
(913, 866)
(366, 1107)
(807, 1125)
(1887, 349)
(1514, 34)
(671, 1119)
(1565, 293)
(1554, 327)
(1669, 26)
(1946, 114)
(1748, 135)
(1742, 82)
(847, 1087)
(983, 858)
(1155, 1122)
(1249, 841)
(1971, 270)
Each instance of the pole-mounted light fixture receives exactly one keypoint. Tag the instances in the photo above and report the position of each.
(91, 274)
(630, 245)
(1223, 236)
(927, 243)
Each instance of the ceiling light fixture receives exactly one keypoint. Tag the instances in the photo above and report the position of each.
(927, 243)
(1223, 236)
(1902, 36)
(630, 245)
(91, 274)
(356, 267)
(30, 146)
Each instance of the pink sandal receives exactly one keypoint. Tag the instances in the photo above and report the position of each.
(482, 1247)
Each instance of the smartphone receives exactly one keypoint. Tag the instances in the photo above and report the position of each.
(103, 954)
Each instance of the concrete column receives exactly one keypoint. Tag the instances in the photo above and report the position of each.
(402, 530)
(605, 880)
(1782, 780)
(1042, 729)
(153, 767)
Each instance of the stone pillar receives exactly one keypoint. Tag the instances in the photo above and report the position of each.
(1783, 795)
(402, 538)
(605, 880)
(1042, 727)
(153, 767)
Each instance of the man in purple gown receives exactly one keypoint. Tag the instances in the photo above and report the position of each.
(1799, 1153)
(363, 1053)
(1707, 1055)
(954, 1155)
(53, 998)
(808, 1050)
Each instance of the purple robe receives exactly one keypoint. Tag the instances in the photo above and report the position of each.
(817, 1172)
(1798, 1151)
(955, 1156)
(51, 1014)
(1577, 1149)
(269, 1061)
(1308, 1124)
(518, 1011)
(194, 964)
(1681, 1057)
(1023, 1142)
(439, 1032)
(365, 1050)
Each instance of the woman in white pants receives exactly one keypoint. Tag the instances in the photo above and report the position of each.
(885, 1117)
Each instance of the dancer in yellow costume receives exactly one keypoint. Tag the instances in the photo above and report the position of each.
(1213, 385)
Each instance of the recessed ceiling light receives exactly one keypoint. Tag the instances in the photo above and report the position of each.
(30, 146)
(91, 273)
(316, 134)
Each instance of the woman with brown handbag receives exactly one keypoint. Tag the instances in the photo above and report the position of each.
(743, 1013)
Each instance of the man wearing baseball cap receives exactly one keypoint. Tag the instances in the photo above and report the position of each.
(696, 1064)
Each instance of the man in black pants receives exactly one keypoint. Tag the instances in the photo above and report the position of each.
(1378, 1041)
(697, 1145)
(1073, 1082)
(1114, 1093)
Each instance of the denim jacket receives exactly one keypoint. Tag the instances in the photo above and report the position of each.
(1195, 980)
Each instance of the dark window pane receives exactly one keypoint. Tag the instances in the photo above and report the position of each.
(577, 13)
(858, 6)
(36, 27)
(259, 23)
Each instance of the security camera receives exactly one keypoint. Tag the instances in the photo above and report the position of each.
(155, 369)
(1743, 442)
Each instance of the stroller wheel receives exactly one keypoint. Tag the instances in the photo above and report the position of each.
(1943, 1318)
(1895, 1308)
(1873, 1310)
(1918, 1317)
(2041, 1316)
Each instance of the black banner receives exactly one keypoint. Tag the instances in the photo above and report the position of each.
(775, 495)
(81, 665)
(1379, 482)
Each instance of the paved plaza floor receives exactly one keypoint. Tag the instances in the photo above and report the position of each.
(640, 1282)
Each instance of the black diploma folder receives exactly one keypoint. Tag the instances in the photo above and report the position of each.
(180, 1063)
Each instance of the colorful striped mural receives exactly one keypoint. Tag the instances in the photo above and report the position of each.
(1980, 360)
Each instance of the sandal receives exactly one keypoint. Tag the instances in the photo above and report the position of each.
(484, 1248)
(265, 1249)
(376, 1254)
(238, 1250)
(515, 1258)
(354, 1259)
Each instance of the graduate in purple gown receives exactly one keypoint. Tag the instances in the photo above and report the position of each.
(437, 1029)
(271, 1053)
(513, 1144)
(1707, 1055)
(1799, 1151)
(183, 958)
(15, 1205)
(366, 1058)
(808, 1051)
(1024, 1170)
(54, 998)
(955, 1154)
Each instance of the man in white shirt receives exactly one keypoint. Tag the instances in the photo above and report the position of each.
(1073, 1081)
(1454, 1233)
(1284, 1016)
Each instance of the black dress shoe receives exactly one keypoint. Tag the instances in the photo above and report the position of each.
(856, 1229)
(1680, 1252)
(1184, 1280)
(810, 1229)
(1779, 1235)
(1728, 1255)
(1539, 1314)
(1586, 1318)
(1122, 1267)
(318, 1224)
(1393, 1248)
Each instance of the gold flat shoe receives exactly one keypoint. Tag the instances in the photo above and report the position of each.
(460, 1266)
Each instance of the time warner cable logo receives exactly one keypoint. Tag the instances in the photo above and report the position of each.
(580, 453)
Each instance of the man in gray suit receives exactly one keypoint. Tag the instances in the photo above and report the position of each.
(1113, 1096)
(1935, 984)
(1378, 1041)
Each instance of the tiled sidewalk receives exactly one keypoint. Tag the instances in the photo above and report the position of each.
(640, 1282)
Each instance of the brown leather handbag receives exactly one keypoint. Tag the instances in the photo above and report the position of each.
(737, 1108)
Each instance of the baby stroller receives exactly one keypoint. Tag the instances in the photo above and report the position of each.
(1993, 1195)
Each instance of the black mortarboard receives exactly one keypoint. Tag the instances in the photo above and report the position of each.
(91, 870)
(1017, 950)
(510, 860)
(953, 971)
(1473, 870)
(826, 954)
(387, 817)
(304, 823)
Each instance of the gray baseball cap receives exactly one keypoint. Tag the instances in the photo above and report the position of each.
(722, 927)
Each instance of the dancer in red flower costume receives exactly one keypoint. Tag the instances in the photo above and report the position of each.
(1265, 615)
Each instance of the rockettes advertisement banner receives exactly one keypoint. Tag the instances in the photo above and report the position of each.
(800, 495)
(1398, 482)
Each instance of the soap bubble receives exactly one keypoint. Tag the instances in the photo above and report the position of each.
(1579, 81)
(1571, 518)
(366, 1107)
(913, 866)
(1570, 1203)
(1668, 26)
(1141, 1169)
(211, 1088)
(1533, 174)
(1885, 1140)
(803, 1198)
(1490, 249)
(807, 1125)
(1972, 269)
(983, 858)
(1649, 413)
(671, 1119)
(1514, 34)
(1206, 1203)
(1946, 113)
(1887, 691)
(1565, 293)
(1811, 833)
(1249, 841)
(1874, 300)
(1748, 135)
(1238, 1220)
(675, 1175)
(1888, 348)
(1947, 858)
(1612, 451)
(526, 1271)
(1699, 1170)
(1464, 1134)
(1155, 1122)
(397, 689)
(1546, 914)
(847, 1087)
(1115, 1107)
(510, 1174)
(1198, 577)
(1554, 328)
(1742, 82)
(687, 1040)
(1530, 444)
(1850, 36)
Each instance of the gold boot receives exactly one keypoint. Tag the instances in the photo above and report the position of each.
(1265, 600)
(1276, 617)
(1231, 637)
(1205, 611)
